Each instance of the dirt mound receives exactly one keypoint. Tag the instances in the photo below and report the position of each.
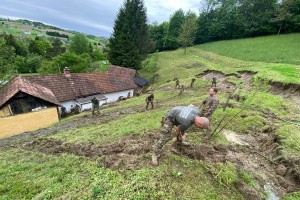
(222, 79)
(206, 152)
(285, 90)
(291, 91)
(246, 79)
(128, 152)
(257, 153)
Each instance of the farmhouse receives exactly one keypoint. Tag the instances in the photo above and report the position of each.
(27, 32)
(28, 95)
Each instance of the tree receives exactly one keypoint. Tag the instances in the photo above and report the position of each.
(97, 55)
(56, 48)
(7, 55)
(76, 63)
(188, 31)
(158, 34)
(256, 15)
(39, 46)
(282, 13)
(28, 64)
(130, 41)
(20, 48)
(176, 20)
(79, 44)
(287, 16)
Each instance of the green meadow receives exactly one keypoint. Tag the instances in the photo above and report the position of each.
(26, 174)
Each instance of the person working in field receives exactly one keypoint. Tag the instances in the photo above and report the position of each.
(214, 82)
(182, 86)
(193, 82)
(182, 117)
(210, 104)
(149, 100)
(177, 83)
(95, 105)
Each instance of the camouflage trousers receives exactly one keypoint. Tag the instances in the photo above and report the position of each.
(95, 108)
(166, 135)
(147, 104)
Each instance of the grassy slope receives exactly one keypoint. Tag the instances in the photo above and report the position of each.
(270, 49)
(17, 29)
(25, 174)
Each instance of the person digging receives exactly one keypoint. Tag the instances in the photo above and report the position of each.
(95, 106)
(208, 106)
(182, 117)
(149, 100)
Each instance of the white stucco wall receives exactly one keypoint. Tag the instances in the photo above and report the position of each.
(68, 105)
(111, 97)
(88, 106)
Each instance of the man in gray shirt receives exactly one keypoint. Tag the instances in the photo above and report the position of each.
(182, 117)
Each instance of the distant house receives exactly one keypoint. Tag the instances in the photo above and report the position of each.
(64, 40)
(42, 92)
(131, 73)
(27, 32)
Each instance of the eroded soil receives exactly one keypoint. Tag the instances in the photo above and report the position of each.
(258, 153)
(246, 79)
(127, 152)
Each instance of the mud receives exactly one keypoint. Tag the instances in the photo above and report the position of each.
(257, 153)
(246, 78)
(127, 152)
(222, 79)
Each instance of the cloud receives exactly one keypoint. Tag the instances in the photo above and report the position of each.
(89, 16)
(162, 10)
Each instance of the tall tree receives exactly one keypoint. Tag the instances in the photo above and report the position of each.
(56, 48)
(175, 23)
(79, 44)
(158, 34)
(188, 31)
(130, 41)
(39, 46)
(20, 48)
(256, 15)
(7, 55)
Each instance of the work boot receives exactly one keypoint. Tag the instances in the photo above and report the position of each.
(154, 160)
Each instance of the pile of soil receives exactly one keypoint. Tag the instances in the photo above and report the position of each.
(246, 77)
(127, 153)
(222, 79)
(257, 153)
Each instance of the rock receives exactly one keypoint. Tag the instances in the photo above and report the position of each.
(281, 170)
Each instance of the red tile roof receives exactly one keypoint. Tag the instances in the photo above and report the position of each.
(64, 88)
(18, 84)
(122, 70)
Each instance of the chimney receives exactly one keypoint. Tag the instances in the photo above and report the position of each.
(67, 72)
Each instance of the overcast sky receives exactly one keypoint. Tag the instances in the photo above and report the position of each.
(88, 16)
